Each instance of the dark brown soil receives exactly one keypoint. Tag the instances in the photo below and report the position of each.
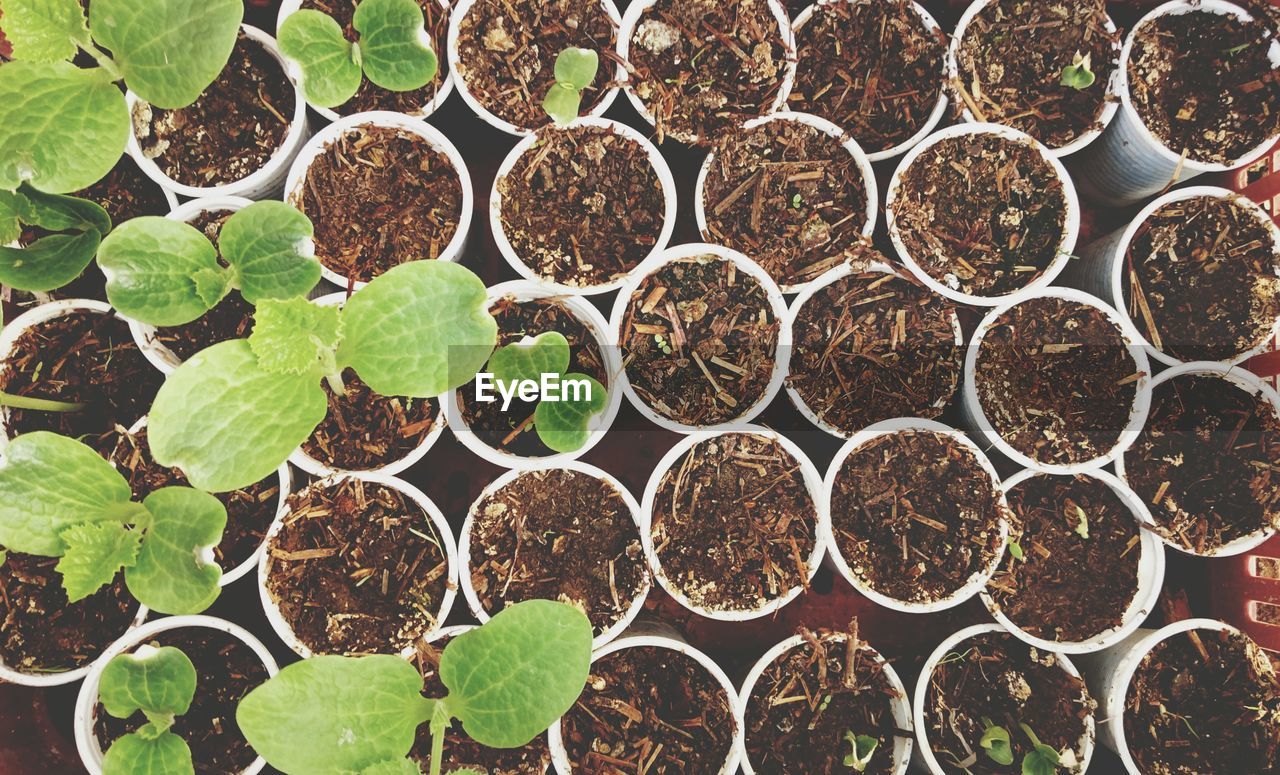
(1205, 84)
(81, 357)
(583, 206)
(231, 131)
(507, 51)
(558, 535)
(805, 701)
(1068, 587)
(915, 515)
(873, 346)
(788, 195)
(1206, 462)
(1200, 279)
(378, 197)
(702, 68)
(357, 569)
(1056, 380)
(1204, 703)
(996, 676)
(371, 97)
(513, 431)
(1025, 91)
(249, 510)
(981, 214)
(226, 670)
(733, 523)
(699, 341)
(869, 67)
(364, 430)
(41, 632)
(649, 708)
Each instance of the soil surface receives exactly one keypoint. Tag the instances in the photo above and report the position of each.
(702, 68)
(507, 52)
(1079, 568)
(226, 670)
(1206, 462)
(357, 569)
(649, 707)
(1056, 380)
(981, 214)
(236, 126)
(561, 535)
(915, 515)
(699, 341)
(871, 67)
(1201, 281)
(364, 430)
(789, 196)
(583, 206)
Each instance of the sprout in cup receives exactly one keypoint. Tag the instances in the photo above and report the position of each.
(1040, 760)
(863, 748)
(575, 71)
(508, 681)
(1079, 74)
(160, 682)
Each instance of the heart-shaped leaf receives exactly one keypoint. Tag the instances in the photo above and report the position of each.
(576, 67)
(395, 49)
(562, 103)
(44, 30)
(172, 575)
(269, 246)
(296, 336)
(96, 551)
(548, 353)
(160, 682)
(330, 64)
(563, 424)
(151, 264)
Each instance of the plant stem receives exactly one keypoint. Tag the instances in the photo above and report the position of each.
(439, 725)
(104, 61)
(39, 404)
(339, 389)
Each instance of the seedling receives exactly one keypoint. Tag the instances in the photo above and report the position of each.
(1041, 759)
(507, 681)
(863, 747)
(1082, 527)
(1015, 550)
(58, 498)
(1079, 74)
(394, 50)
(71, 231)
(575, 69)
(995, 741)
(160, 682)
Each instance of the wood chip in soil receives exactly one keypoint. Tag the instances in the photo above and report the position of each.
(364, 430)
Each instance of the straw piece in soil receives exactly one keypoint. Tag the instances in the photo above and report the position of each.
(915, 515)
(1200, 279)
(703, 68)
(1206, 462)
(699, 341)
(981, 214)
(649, 709)
(873, 346)
(226, 670)
(358, 568)
(1206, 84)
(583, 206)
(996, 676)
(1068, 587)
(364, 430)
(236, 126)
(40, 632)
(1056, 379)
(789, 196)
(507, 51)
(871, 67)
(379, 197)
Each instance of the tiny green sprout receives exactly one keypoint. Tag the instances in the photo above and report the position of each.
(995, 741)
(575, 69)
(1078, 74)
(562, 424)
(796, 201)
(662, 343)
(1015, 550)
(1082, 527)
(159, 682)
(1041, 759)
(863, 748)
(70, 231)
(1236, 49)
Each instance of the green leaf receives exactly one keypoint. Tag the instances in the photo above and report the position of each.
(227, 422)
(15, 210)
(96, 551)
(49, 483)
(169, 50)
(863, 747)
(44, 30)
(172, 575)
(394, 767)
(55, 259)
(562, 425)
(161, 682)
(152, 265)
(1041, 760)
(418, 330)
(395, 49)
(64, 127)
(995, 740)
(269, 246)
(329, 63)
(135, 754)
(562, 103)
(576, 67)
(1078, 74)
(335, 714)
(296, 336)
(59, 212)
(548, 353)
(513, 677)
(1015, 549)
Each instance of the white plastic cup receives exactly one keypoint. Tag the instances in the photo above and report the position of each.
(924, 752)
(773, 296)
(262, 184)
(1130, 163)
(975, 419)
(508, 251)
(827, 128)
(1151, 565)
(1071, 226)
(272, 609)
(821, 528)
(900, 705)
(1247, 382)
(898, 425)
(319, 142)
